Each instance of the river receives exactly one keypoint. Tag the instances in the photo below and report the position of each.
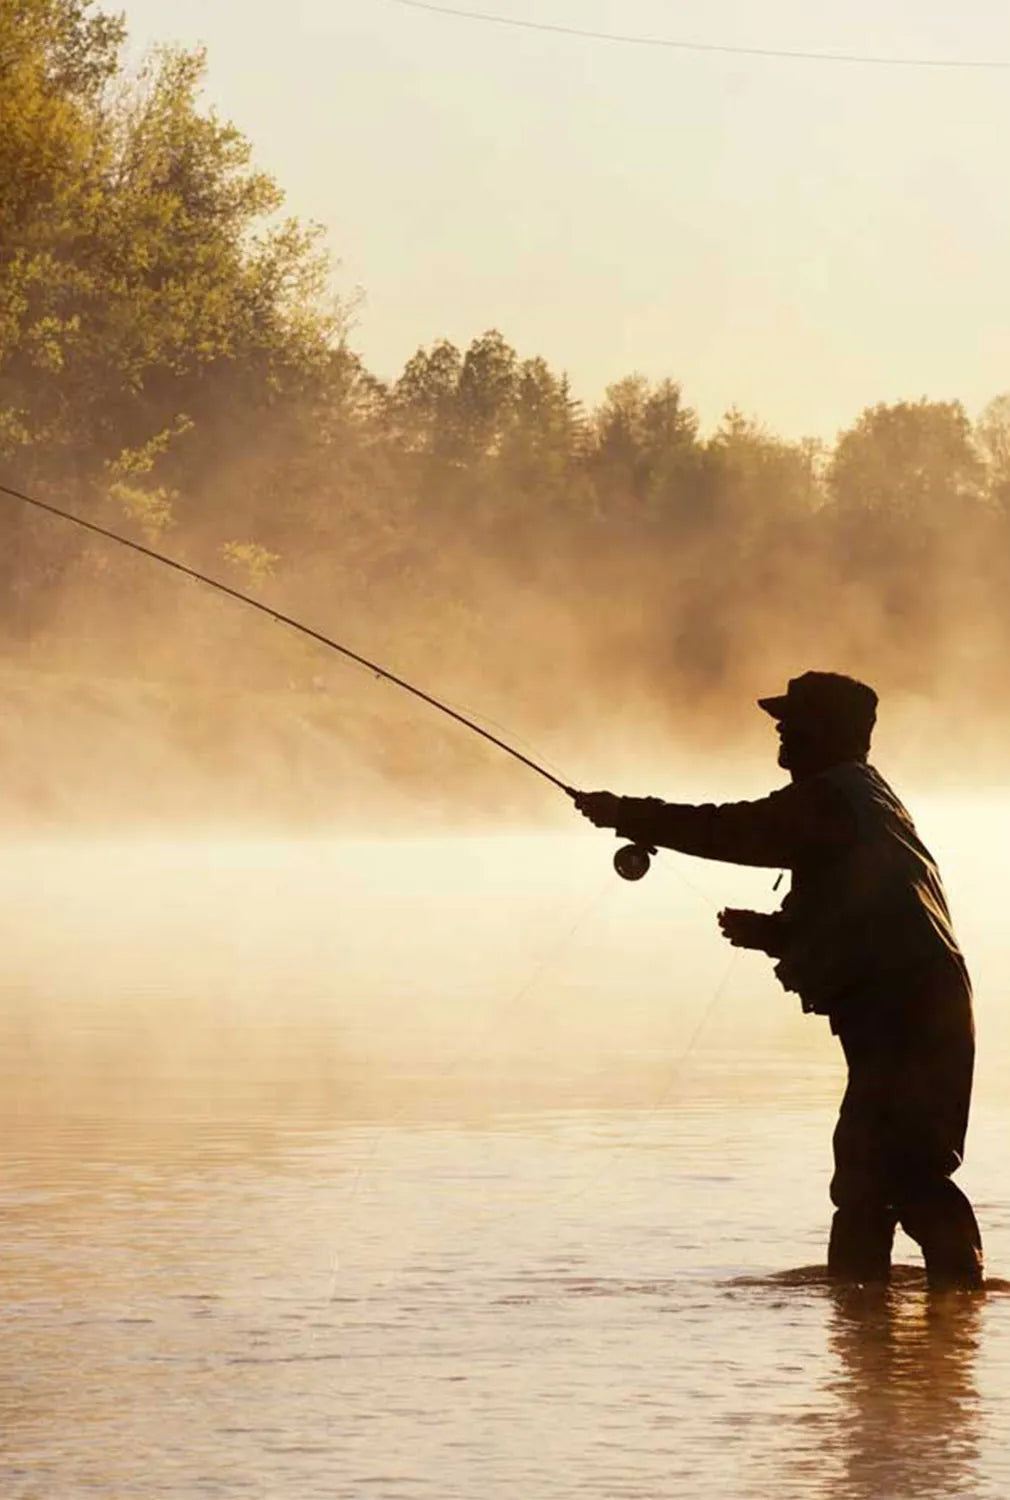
(457, 1168)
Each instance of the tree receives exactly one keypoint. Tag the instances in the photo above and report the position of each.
(486, 394)
(905, 484)
(992, 434)
(913, 463)
(645, 446)
(54, 63)
(140, 278)
(423, 400)
(756, 480)
(156, 318)
(545, 437)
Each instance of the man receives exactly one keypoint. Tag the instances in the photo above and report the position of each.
(864, 937)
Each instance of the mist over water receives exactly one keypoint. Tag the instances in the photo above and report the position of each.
(456, 1166)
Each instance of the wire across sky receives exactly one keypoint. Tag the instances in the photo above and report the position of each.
(725, 49)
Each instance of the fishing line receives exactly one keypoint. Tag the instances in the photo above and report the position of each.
(633, 866)
(519, 741)
(673, 1077)
(624, 1143)
(631, 860)
(283, 619)
(724, 49)
(580, 1189)
(546, 961)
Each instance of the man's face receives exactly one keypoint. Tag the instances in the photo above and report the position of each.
(806, 749)
(794, 745)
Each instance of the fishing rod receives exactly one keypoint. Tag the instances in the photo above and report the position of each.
(631, 861)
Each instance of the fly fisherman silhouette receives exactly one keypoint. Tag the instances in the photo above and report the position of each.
(864, 937)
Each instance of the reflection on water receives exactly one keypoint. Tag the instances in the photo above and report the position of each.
(528, 1306)
(908, 1389)
(303, 1196)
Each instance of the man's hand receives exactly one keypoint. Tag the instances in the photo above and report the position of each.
(752, 929)
(601, 808)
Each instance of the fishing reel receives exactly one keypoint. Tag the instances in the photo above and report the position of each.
(632, 861)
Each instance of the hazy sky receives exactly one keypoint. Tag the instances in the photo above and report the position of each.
(798, 238)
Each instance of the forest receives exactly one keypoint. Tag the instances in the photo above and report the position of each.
(175, 364)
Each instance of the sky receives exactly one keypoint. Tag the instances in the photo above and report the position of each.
(797, 239)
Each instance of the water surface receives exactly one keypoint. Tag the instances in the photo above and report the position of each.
(453, 1169)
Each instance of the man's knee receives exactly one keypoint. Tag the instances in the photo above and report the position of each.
(858, 1183)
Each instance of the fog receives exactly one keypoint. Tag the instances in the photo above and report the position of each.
(280, 978)
(613, 585)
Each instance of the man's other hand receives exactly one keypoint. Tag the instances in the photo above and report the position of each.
(601, 808)
(752, 929)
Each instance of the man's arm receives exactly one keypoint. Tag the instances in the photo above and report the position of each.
(777, 831)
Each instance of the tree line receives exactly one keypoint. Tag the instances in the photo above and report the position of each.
(174, 364)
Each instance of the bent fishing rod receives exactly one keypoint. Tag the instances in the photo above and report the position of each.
(631, 861)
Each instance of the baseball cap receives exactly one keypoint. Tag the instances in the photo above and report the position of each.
(825, 698)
